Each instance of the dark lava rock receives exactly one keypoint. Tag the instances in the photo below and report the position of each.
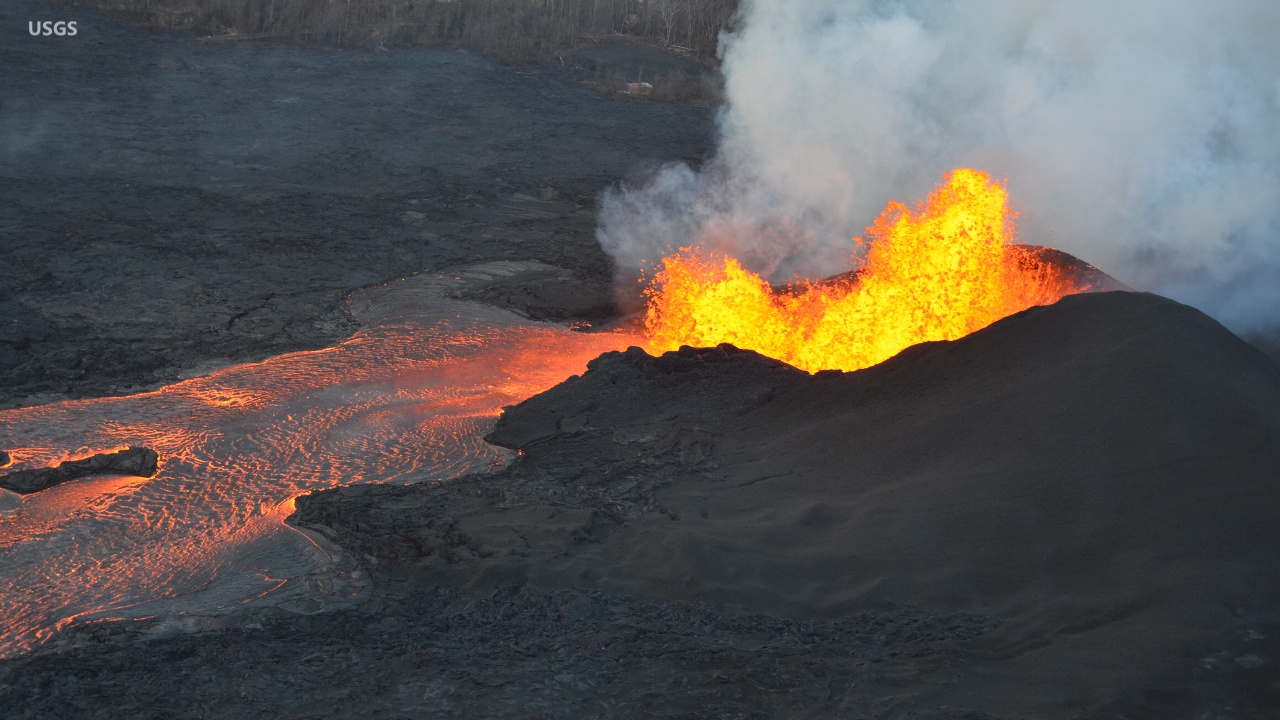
(540, 295)
(186, 234)
(693, 387)
(137, 461)
(4, 458)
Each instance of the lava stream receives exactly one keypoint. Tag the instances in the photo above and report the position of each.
(407, 398)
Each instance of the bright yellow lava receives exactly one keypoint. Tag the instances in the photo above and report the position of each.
(937, 273)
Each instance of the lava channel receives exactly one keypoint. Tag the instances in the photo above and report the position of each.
(407, 398)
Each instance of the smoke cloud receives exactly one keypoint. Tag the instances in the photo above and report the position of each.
(1139, 136)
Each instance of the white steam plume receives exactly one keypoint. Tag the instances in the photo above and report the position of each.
(1140, 136)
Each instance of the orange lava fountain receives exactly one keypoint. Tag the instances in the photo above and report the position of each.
(938, 273)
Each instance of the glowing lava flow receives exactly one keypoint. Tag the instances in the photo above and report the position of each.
(938, 273)
(406, 399)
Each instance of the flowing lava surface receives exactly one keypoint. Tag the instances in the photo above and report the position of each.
(407, 398)
(940, 272)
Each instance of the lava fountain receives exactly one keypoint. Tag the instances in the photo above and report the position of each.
(939, 272)
(408, 398)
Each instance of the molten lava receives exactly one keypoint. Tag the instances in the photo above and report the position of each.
(937, 273)
(408, 398)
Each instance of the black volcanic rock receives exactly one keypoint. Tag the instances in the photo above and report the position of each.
(690, 387)
(4, 458)
(138, 461)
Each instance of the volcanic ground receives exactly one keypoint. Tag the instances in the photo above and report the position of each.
(1068, 514)
(172, 205)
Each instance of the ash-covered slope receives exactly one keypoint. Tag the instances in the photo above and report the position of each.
(1113, 444)
(1101, 475)
(1110, 441)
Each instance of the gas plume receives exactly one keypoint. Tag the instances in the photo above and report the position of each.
(1139, 136)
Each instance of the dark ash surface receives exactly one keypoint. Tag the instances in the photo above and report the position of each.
(436, 652)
